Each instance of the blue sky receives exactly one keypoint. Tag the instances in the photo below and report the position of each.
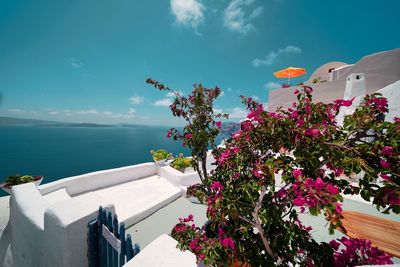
(87, 60)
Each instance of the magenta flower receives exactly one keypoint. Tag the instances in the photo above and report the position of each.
(385, 176)
(298, 202)
(385, 164)
(387, 151)
(189, 136)
(169, 134)
(338, 208)
(218, 124)
(296, 92)
(319, 183)
(228, 242)
(217, 186)
(258, 173)
(332, 189)
(334, 244)
(312, 132)
(297, 173)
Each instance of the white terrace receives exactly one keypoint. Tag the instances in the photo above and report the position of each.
(49, 224)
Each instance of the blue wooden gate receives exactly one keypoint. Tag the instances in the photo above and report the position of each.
(108, 245)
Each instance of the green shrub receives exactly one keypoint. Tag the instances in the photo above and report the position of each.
(19, 179)
(180, 163)
(160, 154)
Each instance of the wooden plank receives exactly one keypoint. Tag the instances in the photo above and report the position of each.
(99, 237)
(103, 259)
(122, 238)
(109, 247)
(383, 233)
(129, 248)
(136, 249)
(115, 233)
(93, 244)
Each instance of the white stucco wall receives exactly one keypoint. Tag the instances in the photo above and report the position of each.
(27, 223)
(53, 231)
(95, 180)
(66, 230)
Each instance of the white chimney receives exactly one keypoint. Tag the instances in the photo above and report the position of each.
(355, 85)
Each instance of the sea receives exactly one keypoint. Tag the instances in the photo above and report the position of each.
(57, 152)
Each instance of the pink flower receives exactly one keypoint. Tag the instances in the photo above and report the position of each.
(338, 208)
(385, 164)
(294, 115)
(319, 183)
(299, 122)
(258, 173)
(216, 186)
(218, 124)
(298, 202)
(297, 173)
(180, 228)
(235, 150)
(385, 177)
(312, 132)
(334, 244)
(332, 189)
(296, 92)
(228, 242)
(189, 136)
(338, 171)
(169, 134)
(387, 151)
(396, 119)
(343, 103)
(347, 103)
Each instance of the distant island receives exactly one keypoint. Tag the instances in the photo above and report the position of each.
(228, 128)
(11, 121)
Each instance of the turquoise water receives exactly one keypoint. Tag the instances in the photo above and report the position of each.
(58, 152)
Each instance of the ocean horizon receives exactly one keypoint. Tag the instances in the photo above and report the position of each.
(59, 152)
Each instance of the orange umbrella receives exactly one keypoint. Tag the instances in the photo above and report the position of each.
(290, 72)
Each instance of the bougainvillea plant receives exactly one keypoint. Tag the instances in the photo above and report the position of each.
(254, 222)
(203, 124)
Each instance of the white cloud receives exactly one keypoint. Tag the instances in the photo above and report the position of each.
(272, 85)
(235, 18)
(122, 116)
(131, 111)
(54, 112)
(135, 100)
(237, 113)
(166, 102)
(88, 111)
(107, 113)
(273, 55)
(16, 110)
(75, 63)
(189, 13)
